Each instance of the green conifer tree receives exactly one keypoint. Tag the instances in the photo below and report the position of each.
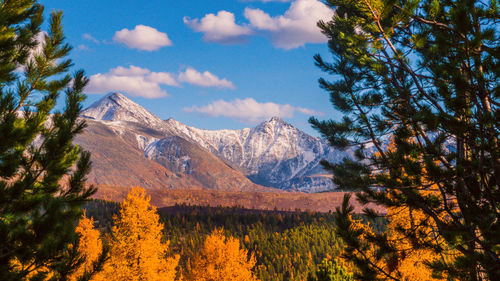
(42, 172)
(424, 74)
(331, 271)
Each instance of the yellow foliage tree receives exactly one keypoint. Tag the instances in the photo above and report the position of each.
(137, 251)
(221, 259)
(406, 228)
(410, 263)
(90, 245)
(413, 264)
(89, 249)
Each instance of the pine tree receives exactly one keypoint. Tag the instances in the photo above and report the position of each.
(42, 172)
(425, 73)
(221, 259)
(137, 251)
(332, 271)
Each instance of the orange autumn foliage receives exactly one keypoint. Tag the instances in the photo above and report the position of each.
(410, 262)
(412, 266)
(15, 264)
(137, 250)
(221, 259)
(90, 246)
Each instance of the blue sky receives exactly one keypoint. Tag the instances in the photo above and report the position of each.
(209, 64)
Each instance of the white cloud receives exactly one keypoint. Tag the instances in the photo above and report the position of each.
(135, 81)
(143, 38)
(220, 28)
(89, 37)
(138, 81)
(249, 110)
(130, 71)
(296, 27)
(83, 47)
(205, 79)
(162, 78)
(261, 20)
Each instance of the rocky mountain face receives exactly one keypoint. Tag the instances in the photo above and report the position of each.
(272, 154)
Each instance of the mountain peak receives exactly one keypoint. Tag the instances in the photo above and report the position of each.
(117, 107)
(116, 96)
(274, 122)
(276, 119)
(276, 126)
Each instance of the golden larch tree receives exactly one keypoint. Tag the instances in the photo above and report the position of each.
(137, 249)
(89, 246)
(89, 249)
(406, 228)
(221, 259)
(409, 263)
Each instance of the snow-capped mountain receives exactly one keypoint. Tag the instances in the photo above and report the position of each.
(274, 153)
(117, 107)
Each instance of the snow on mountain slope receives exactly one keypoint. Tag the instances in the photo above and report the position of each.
(117, 107)
(274, 153)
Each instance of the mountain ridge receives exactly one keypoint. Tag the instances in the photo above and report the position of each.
(274, 153)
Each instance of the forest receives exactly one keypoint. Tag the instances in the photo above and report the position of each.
(286, 245)
(247, 244)
(416, 84)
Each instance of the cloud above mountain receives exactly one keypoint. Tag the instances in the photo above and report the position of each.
(135, 81)
(142, 37)
(205, 79)
(249, 110)
(142, 82)
(220, 28)
(294, 28)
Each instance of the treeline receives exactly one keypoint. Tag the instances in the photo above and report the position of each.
(286, 245)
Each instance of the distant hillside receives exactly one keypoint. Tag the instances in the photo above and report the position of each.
(258, 200)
